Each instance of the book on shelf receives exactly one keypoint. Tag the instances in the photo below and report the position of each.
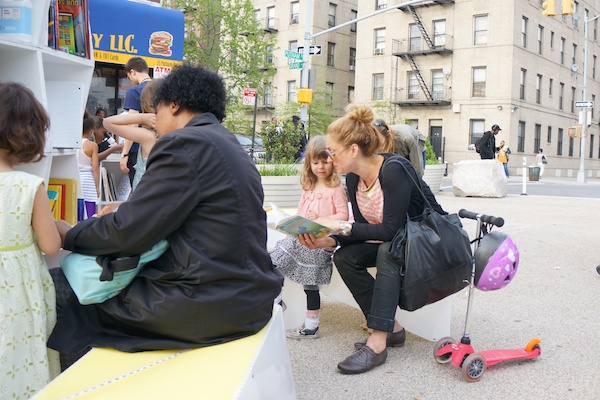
(72, 22)
(68, 198)
(53, 34)
(59, 205)
(113, 186)
(297, 225)
(105, 194)
(52, 199)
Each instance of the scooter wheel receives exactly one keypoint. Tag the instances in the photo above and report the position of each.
(473, 367)
(533, 344)
(446, 357)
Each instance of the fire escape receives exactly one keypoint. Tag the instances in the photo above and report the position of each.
(413, 48)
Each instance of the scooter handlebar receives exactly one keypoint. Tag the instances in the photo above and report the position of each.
(497, 221)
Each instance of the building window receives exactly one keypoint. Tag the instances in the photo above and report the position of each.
(415, 38)
(439, 33)
(594, 59)
(537, 138)
(559, 142)
(329, 92)
(353, 16)
(293, 46)
(591, 146)
(437, 84)
(377, 87)
(551, 40)
(478, 89)
(413, 86)
(521, 137)
(573, 59)
(477, 127)
(350, 94)
(330, 53)
(481, 29)
(561, 94)
(595, 34)
(295, 12)
(562, 51)
(268, 98)
(522, 84)
(257, 15)
(352, 60)
(550, 85)
(291, 92)
(271, 18)
(549, 137)
(379, 41)
(524, 32)
(269, 55)
(332, 10)
(379, 4)
(593, 101)
(540, 38)
(538, 89)
(571, 142)
(572, 99)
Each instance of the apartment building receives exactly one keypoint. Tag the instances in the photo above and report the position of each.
(332, 72)
(454, 68)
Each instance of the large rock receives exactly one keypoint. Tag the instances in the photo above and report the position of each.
(478, 178)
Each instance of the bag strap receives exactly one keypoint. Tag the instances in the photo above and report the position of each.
(417, 184)
(111, 265)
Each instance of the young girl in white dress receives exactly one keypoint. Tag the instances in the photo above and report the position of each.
(323, 197)
(27, 297)
(89, 167)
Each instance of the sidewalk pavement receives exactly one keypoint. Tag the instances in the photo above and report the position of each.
(555, 297)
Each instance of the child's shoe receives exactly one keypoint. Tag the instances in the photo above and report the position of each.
(303, 333)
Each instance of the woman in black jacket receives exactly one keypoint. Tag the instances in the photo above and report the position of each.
(382, 194)
(203, 194)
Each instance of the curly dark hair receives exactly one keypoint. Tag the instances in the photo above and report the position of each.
(23, 123)
(194, 89)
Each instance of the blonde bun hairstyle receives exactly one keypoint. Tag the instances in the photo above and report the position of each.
(356, 127)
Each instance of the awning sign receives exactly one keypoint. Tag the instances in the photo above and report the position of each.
(123, 29)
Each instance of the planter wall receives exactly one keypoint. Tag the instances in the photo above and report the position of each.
(434, 173)
(283, 191)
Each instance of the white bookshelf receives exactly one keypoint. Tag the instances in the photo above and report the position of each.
(61, 83)
(112, 165)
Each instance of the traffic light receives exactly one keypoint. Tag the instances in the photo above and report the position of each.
(574, 131)
(304, 96)
(568, 7)
(549, 7)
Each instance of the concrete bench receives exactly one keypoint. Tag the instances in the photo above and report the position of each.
(255, 367)
(431, 322)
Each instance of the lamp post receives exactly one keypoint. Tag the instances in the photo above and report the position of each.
(581, 178)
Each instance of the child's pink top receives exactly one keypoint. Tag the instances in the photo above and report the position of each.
(332, 203)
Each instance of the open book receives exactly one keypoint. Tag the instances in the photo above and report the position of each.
(297, 225)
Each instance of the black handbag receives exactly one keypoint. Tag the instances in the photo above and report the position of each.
(434, 254)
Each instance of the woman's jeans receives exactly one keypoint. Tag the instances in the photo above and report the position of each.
(377, 297)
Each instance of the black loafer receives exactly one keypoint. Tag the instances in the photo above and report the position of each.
(361, 361)
(393, 340)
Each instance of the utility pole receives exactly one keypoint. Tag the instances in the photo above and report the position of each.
(581, 178)
(308, 37)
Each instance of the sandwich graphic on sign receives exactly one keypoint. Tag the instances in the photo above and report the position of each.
(160, 43)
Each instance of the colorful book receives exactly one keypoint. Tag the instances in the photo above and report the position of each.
(66, 39)
(73, 27)
(59, 202)
(53, 199)
(69, 198)
(297, 225)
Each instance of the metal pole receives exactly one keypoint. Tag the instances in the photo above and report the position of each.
(524, 188)
(306, 57)
(581, 174)
(254, 126)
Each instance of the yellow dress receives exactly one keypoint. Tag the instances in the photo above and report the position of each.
(27, 296)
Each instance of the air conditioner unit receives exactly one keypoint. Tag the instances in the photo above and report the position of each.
(378, 52)
(294, 20)
(352, 67)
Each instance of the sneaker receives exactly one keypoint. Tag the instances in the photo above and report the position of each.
(303, 333)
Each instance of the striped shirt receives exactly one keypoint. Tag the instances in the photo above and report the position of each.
(370, 201)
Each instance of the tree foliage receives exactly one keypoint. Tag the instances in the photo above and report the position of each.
(282, 142)
(224, 36)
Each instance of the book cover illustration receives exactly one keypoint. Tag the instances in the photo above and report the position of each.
(66, 33)
(73, 26)
(297, 225)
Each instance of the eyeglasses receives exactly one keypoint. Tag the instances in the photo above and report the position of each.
(332, 154)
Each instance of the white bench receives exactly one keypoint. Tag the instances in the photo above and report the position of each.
(431, 322)
(256, 367)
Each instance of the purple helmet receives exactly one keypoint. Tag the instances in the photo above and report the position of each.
(496, 261)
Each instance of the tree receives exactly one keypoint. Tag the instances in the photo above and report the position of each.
(224, 36)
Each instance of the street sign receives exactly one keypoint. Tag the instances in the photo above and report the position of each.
(250, 97)
(293, 55)
(296, 65)
(314, 50)
(584, 104)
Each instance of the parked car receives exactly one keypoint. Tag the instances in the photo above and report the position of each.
(259, 150)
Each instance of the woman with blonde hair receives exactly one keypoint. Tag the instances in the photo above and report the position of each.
(382, 192)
